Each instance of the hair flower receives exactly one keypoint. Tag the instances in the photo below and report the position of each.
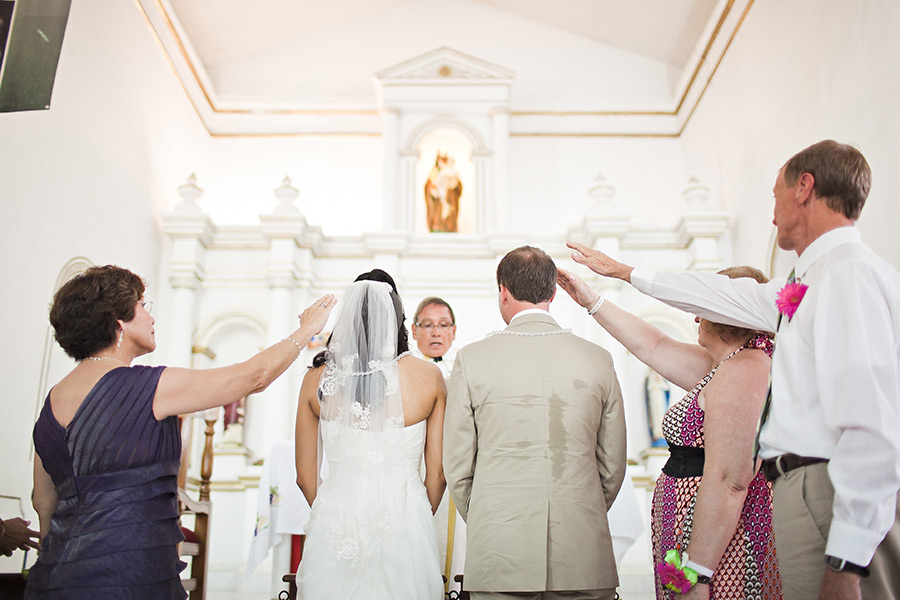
(673, 576)
(789, 297)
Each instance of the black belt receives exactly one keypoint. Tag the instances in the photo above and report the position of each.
(684, 461)
(773, 468)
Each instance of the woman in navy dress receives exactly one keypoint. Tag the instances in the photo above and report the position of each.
(108, 446)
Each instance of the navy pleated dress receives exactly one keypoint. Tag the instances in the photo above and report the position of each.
(115, 530)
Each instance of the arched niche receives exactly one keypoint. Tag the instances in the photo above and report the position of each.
(226, 339)
(444, 88)
(55, 363)
(459, 146)
(635, 376)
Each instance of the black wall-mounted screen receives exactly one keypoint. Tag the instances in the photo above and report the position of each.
(35, 38)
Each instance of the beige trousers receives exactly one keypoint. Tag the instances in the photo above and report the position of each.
(549, 595)
(802, 504)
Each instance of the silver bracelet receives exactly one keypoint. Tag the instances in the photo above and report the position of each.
(294, 342)
(596, 306)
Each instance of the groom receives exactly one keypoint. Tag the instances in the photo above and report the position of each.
(534, 448)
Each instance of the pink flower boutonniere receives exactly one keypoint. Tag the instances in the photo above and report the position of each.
(673, 575)
(789, 297)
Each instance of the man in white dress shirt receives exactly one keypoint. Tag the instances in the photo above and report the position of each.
(830, 439)
(434, 329)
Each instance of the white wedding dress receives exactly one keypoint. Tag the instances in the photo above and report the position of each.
(371, 535)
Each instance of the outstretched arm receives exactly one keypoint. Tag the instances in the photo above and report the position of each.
(742, 302)
(181, 391)
(600, 263)
(682, 364)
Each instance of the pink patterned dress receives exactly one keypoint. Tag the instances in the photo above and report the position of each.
(749, 567)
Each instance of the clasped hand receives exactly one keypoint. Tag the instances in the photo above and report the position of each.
(16, 534)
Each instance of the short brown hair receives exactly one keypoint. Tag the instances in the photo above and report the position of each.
(428, 302)
(730, 332)
(842, 175)
(87, 308)
(529, 274)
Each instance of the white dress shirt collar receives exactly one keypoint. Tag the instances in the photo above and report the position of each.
(824, 244)
(529, 311)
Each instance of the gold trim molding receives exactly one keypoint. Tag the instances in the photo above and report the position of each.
(209, 103)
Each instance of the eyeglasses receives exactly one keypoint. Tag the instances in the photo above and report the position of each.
(428, 325)
(148, 305)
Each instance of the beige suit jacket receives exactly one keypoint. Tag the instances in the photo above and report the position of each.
(534, 454)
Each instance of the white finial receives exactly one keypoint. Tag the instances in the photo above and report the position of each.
(190, 192)
(696, 195)
(286, 194)
(602, 194)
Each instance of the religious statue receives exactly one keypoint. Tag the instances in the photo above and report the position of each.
(234, 422)
(656, 390)
(442, 192)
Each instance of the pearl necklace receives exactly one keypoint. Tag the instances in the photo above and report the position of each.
(107, 358)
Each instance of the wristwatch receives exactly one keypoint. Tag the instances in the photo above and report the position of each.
(839, 564)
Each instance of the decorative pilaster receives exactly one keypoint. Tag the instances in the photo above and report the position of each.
(604, 225)
(394, 210)
(191, 231)
(500, 146)
(703, 231)
(283, 228)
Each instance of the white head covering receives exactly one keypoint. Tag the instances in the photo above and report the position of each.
(361, 422)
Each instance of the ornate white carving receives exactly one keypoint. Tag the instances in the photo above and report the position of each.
(444, 64)
(286, 195)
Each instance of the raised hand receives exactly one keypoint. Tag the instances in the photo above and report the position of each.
(599, 263)
(576, 287)
(316, 315)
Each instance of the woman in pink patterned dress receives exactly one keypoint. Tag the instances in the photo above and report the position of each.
(725, 524)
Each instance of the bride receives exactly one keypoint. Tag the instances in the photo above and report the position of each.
(376, 409)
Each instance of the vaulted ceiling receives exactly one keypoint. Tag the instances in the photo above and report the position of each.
(661, 30)
(650, 59)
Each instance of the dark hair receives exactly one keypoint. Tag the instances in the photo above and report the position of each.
(87, 308)
(529, 274)
(428, 302)
(728, 333)
(402, 333)
(842, 175)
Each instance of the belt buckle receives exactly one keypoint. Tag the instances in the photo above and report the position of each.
(778, 466)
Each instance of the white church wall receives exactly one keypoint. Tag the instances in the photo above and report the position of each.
(84, 178)
(799, 72)
(339, 179)
(548, 77)
(549, 180)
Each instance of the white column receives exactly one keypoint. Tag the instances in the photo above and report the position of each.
(391, 198)
(279, 406)
(181, 324)
(500, 199)
(191, 231)
(275, 408)
(487, 210)
(410, 195)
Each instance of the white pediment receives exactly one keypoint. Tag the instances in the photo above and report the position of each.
(444, 64)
